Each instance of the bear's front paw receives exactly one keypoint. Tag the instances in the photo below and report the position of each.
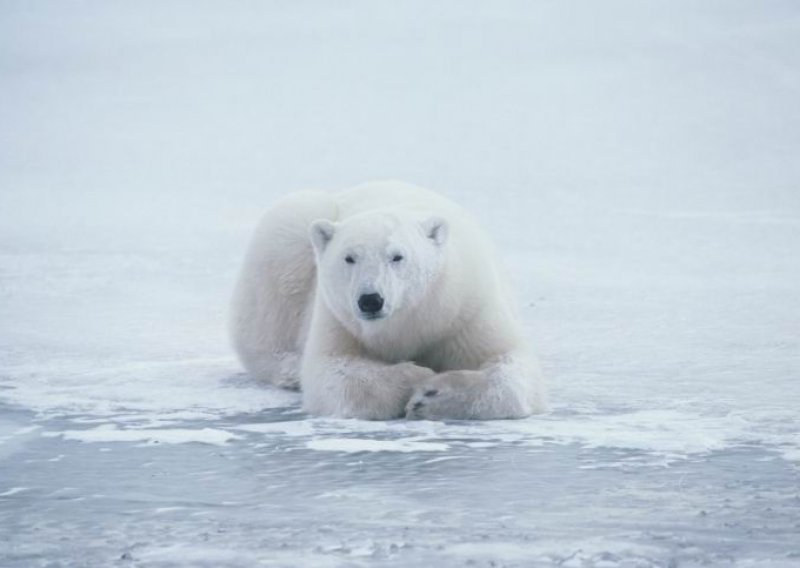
(446, 396)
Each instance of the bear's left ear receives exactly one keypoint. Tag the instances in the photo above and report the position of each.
(436, 229)
(322, 231)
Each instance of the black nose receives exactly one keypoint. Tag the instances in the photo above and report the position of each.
(370, 303)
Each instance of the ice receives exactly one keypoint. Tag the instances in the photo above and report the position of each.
(636, 162)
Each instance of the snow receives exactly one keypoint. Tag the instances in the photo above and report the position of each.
(635, 161)
(110, 433)
(13, 491)
(357, 445)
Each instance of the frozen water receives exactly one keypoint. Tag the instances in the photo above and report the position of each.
(636, 161)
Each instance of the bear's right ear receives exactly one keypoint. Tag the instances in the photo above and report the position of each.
(436, 229)
(322, 232)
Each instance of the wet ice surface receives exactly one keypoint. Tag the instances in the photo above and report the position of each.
(287, 490)
(636, 164)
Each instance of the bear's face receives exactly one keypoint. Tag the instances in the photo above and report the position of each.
(374, 265)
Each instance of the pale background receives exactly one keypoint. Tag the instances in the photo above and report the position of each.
(637, 162)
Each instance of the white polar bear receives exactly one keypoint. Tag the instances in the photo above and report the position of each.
(382, 301)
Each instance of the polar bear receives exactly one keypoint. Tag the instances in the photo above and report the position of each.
(382, 301)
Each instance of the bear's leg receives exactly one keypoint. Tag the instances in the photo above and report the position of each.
(506, 387)
(358, 388)
(272, 301)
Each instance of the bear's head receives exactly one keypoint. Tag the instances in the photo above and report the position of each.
(375, 265)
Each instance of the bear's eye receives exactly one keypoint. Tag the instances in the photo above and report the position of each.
(397, 258)
(349, 259)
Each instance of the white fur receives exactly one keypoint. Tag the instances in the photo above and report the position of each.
(448, 344)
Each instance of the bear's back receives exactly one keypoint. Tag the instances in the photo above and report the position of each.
(390, 193)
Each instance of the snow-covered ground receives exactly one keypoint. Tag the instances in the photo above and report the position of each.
(638, 162)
